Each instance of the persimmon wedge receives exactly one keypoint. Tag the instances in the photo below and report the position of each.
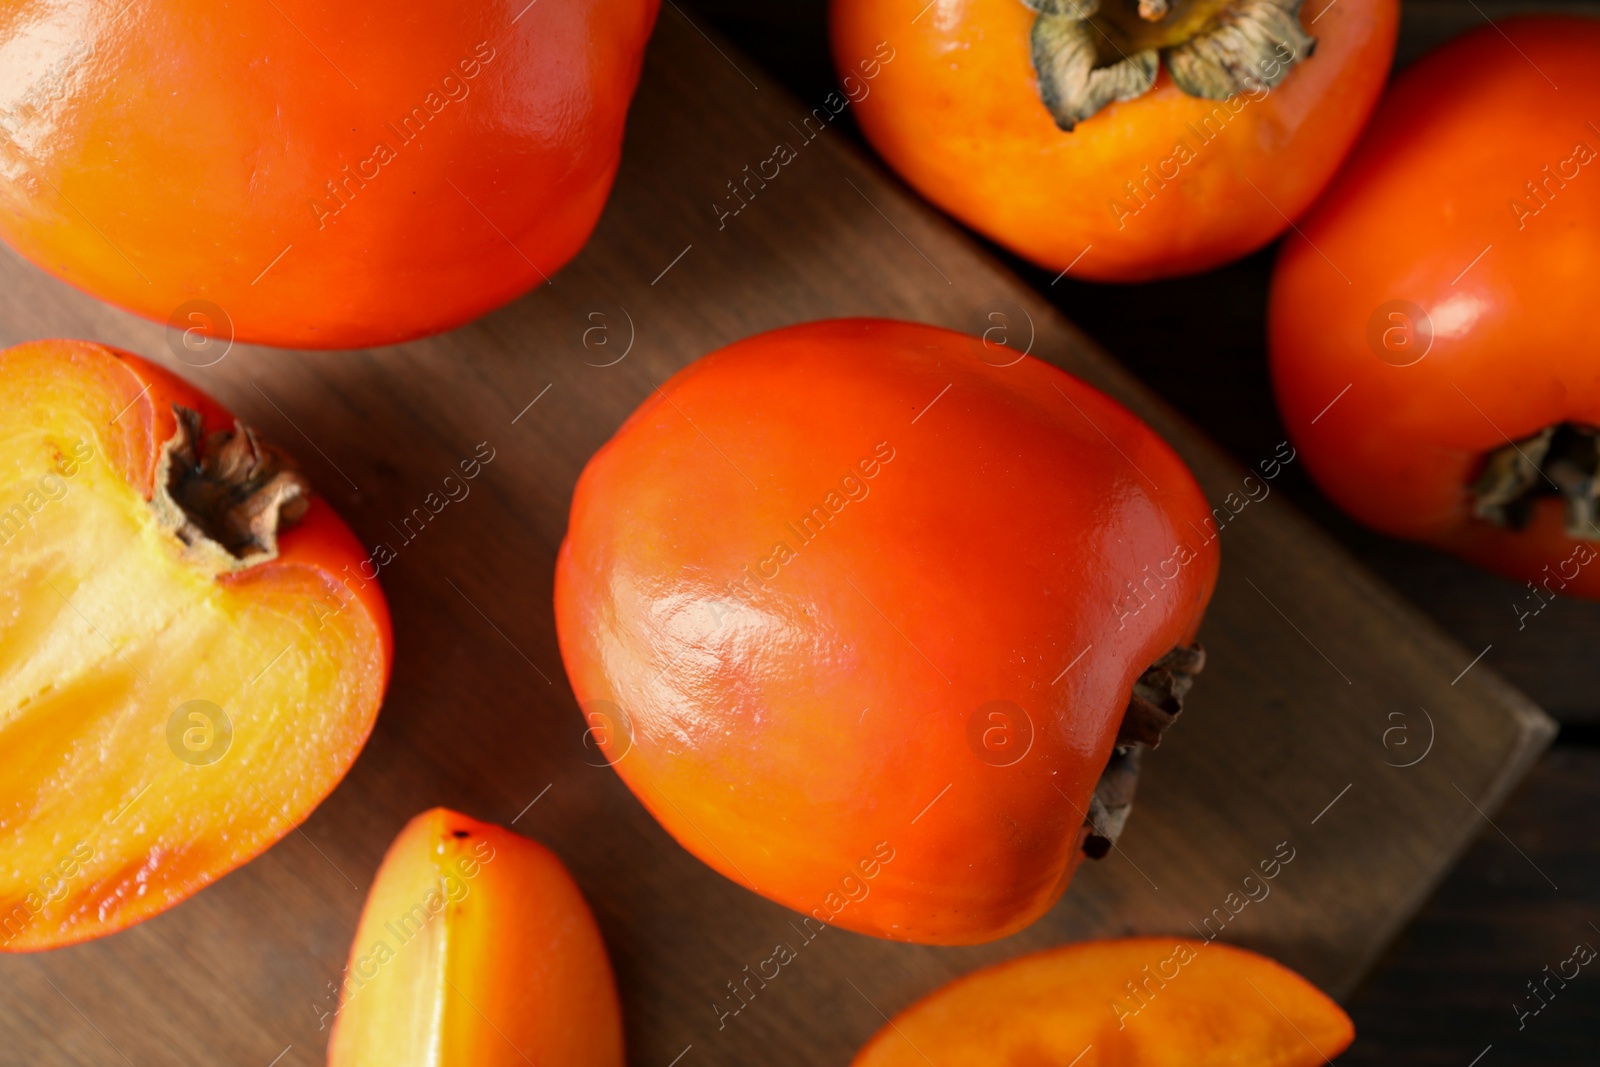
(475, 949)
(190, 658)
(1150, 1001)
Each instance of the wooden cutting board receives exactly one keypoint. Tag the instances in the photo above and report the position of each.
(1321, 685)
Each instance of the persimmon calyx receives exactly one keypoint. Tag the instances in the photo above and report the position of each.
(228, 495)
(1156, 702)
(1561, 460)
(1088, 53)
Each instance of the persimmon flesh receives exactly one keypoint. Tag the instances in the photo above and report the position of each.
(475, 949)
(167, 709)
(1149, 1001)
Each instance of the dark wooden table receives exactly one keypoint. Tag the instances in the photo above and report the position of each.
(1530, 888)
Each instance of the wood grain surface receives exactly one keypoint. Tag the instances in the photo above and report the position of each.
(1289, 737)
(1456, 982)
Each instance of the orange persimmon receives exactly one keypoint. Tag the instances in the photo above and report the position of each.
(1432, 329)
(309, 174)
(875, 620)
(1116, 140)
(189, 657)
(1151, 1001)
(475, 949)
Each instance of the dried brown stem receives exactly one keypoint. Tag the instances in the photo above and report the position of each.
(228, 496)
(1559, 461)
(1154, 706)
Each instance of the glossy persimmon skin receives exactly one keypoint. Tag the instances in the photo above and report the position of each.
(475, 949)
(1151, 1001)
(1425, 213)
(186, 155)
(957, 113)
(132, 867)
(819, 733)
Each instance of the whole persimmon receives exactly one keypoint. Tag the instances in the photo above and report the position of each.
(876, 619)
(191, 654)
(1151, 1001)
(308, 174)
(475, 949)
(1116, 140)
(1433, 329)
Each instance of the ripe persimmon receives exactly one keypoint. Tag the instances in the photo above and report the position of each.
(875, 620)
(190, 656)
(308, 174)
(1433, 329)
(1156, 1002)
(475, 949)
(1118, 140)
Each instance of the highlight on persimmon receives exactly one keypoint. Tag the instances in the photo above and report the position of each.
(475, 949)
(1151, 1001)
(190, 656)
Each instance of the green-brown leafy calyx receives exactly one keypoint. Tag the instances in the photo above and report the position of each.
(1089, 53)
(1559, 461)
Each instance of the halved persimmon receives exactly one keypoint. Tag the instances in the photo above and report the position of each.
(1151, 1001)
(190, 654)
(475, 949)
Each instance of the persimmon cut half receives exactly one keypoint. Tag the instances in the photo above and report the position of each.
(1145, 1001)
(475, 949)
(189, 657)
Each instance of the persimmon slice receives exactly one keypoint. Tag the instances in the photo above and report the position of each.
(169, 707)
(475, 949)
(1146, 1001)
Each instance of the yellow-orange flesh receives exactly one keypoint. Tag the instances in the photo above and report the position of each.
(119, 797)
(1138, 1002)
(475, 949)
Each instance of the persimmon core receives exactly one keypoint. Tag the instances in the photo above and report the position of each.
(109, 626)
(1559, 461)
